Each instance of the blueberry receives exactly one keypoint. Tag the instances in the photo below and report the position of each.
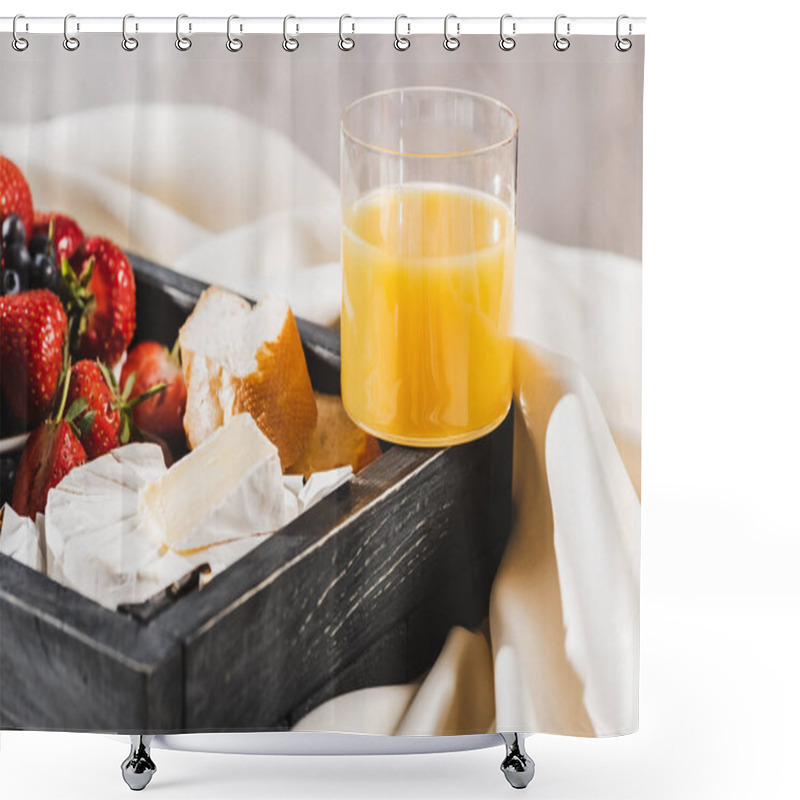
(13, 230)
(38, 244)
(11, 282)
(42, 272)
(19, 259)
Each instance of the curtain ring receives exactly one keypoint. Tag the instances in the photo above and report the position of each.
(451, 42)
(401, 42)
(507, 42)
(129, 43)
(290, 43)
(18, 43)
(233, 44)
(346, 42)
(183, 43)
(623, 44)
(70, 43)
(561, 43)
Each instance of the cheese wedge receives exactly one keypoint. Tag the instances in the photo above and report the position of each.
(242, 359)
(230, 487)
(98, 543)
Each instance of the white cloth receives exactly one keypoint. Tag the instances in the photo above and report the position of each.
(206, 191)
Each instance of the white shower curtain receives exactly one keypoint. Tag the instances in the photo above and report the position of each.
(204, 162)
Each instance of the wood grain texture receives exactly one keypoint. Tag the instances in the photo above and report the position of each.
(386, 657)
(68, 663)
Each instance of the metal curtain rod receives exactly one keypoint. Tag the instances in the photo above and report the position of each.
(462, 26)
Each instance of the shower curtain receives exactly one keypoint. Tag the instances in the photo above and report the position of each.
(126, 173)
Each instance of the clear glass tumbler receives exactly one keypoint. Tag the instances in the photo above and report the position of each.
(428, 187)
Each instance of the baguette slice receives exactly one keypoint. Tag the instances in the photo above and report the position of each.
(337, 441)
(242, 359)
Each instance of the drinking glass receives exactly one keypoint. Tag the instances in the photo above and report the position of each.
(428, 189)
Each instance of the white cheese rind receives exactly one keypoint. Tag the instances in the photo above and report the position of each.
(98, 542)
(21, 539)
(106, 541)
(320, 484)
(228, 488)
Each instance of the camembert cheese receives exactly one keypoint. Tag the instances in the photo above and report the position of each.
(229, 488)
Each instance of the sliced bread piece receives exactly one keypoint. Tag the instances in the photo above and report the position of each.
(337, 441)
(242, 359)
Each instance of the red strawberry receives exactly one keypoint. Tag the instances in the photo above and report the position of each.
(151, 364)
(52, 450)
(105, 422)
(66, 235)
(33, 327)
(93, 383)
(15, 195)
(101, 297)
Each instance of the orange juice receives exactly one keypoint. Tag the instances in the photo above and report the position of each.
(426, 313)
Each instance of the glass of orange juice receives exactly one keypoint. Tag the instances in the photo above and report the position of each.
(428, 187)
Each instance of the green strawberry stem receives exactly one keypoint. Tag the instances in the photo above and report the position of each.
(77, 417)
(51, 232)
(123, 401)
(109, 378)
(159, 387)
(65, 376)
(80, 419)
(126, 392)
(78, 301)
(63, 382)
(78, 405)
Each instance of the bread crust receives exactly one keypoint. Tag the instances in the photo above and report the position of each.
(336, 442)
(277, 393)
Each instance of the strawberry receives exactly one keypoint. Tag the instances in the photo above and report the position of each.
(100, 296)
(93, 382)
(65, 233)
(52, 450)
(15, 195)
(33, 328)
(151, 364)
(109, 411)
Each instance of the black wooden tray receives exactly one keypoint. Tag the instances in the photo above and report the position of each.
(358, 591)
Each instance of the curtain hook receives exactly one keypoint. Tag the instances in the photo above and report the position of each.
(451, 42)
(623, 45)
(290, 43)
(233, 44)
(183, 43)
(561, 43)
(346, 42)
(71, 43)
(401, 42)
(129, 43)
(507, 42)
(18, 42)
